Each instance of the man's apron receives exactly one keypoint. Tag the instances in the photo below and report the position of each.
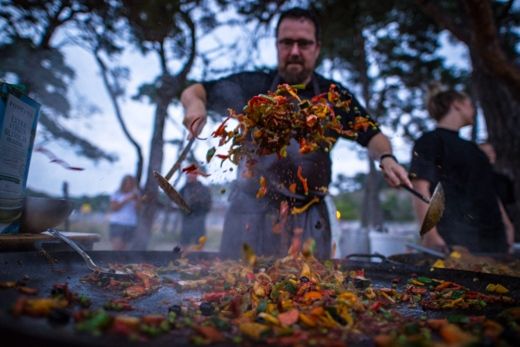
(257, 222)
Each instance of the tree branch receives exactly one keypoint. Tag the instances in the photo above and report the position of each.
(193, 49)
(162, 58)
(52, 23)
(504, 11)
(485, 42)
(84, 147)
(117, 109)
(435, 12)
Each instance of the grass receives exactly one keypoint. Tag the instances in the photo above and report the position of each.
(163, 237)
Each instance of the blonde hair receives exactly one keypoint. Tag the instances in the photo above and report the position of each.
(439, 100)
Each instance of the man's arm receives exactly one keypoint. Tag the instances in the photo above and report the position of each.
(394, 173)
(194, 100)
(510, 228)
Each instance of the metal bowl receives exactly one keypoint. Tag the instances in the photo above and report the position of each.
(40, 214)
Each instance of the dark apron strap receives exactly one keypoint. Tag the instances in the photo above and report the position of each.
(278, 79)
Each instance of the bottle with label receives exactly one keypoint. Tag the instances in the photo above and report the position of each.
(18, 120)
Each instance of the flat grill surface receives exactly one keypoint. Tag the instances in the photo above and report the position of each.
(70, 268)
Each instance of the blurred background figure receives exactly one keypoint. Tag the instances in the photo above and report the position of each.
(473, 216)
(198, 197)
(504, 184)
(124, 205)
(505, 189)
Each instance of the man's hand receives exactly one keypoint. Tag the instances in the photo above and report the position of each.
(394, 174)
(193, 100)
(379, 148)
(433, 240)
(194, 122)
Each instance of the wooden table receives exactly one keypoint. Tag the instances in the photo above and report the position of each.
(32, 242)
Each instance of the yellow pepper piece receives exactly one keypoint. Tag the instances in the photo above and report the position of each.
(230, 279)
(345, 314)
(43, 306)
(248, 315)
(271, 308)
(500, 289)
(252, 330)
(283, 152)
(287, 304)
(387, 297)
(269, 318)
(490, 287)
(298, 210)
(200, 243)
(306, 271)
(306, 320)
(369, 293)
(496, 288)
(348, 297)
(293, 282)
(327, 321)
(259, 290)
(415, 282)
(455, 255)
(439, 263)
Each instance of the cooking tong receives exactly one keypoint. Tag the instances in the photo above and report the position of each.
(88, 260)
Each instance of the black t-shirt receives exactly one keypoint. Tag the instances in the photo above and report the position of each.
(235, 90)
(198, 197)
(472, 215)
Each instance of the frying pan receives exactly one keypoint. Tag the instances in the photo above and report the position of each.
(422, 263)
(425, 261)
(69, 268)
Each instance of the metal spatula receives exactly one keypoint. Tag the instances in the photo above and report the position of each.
(435, 209)
(426, 250)
(88, 260)
(167, 187)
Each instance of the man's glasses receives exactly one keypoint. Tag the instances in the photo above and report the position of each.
(301, 43)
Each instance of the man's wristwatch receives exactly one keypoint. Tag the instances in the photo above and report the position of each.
(387, 155)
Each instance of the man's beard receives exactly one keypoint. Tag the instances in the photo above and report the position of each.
(291, 77)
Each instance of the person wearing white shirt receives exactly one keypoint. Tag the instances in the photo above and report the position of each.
(124, 204)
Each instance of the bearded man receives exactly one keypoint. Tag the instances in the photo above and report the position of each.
(250, 220)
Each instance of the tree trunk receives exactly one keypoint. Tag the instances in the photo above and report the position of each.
(151, 190)
(372, 213)
(502, 113)
(497, 82)
(168, 89)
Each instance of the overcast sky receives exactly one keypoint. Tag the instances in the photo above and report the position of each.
(102, 129)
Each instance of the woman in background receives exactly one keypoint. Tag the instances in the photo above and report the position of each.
(124, 204)
(473, 216)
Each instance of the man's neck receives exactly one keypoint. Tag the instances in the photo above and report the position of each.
(450, 122)
(305, 82)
